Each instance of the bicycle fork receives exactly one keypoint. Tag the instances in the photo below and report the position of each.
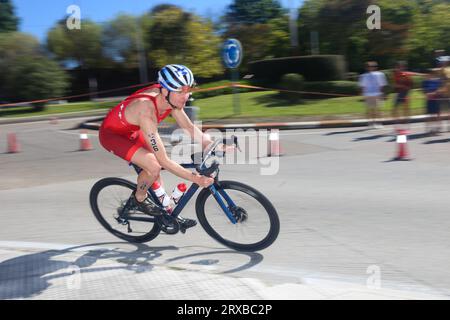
(218, 194)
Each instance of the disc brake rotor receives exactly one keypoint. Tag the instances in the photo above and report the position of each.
(239, 214)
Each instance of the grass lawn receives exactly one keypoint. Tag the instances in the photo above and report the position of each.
(266, 104)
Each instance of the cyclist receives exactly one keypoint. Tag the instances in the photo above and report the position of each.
(130, 132)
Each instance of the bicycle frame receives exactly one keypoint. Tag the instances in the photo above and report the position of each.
(214, 189)
(193, 189)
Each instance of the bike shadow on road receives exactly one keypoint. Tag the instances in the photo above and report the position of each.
(391, 136)
(415, 136)
(437, 141)
(373, 137)
(29, 275)
(254, 259)
(345, 132)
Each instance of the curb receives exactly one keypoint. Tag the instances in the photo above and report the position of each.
(95, 125)
(315, 124)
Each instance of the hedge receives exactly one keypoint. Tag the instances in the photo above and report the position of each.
(312, 68)
(295, 82)
(350, 88)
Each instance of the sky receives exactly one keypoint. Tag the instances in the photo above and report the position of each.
(37, 17)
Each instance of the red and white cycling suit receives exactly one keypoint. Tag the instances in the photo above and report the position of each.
(119, 136)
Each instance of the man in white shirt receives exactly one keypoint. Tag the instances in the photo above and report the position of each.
(372, 84)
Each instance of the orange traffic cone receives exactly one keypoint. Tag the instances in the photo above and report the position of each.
(13, 145)
(85, 143)
(274, 144)
(402, 138)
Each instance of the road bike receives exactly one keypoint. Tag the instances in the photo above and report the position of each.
(235, 214)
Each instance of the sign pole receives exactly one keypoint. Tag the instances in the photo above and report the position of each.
(232, 57)
(236, 102)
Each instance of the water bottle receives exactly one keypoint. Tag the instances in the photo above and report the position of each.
(164, 199)
(178, 192)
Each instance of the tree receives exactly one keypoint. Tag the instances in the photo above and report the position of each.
(175, 36)
(338, 21)
(82, 46)
(161, 7)
(307, 22)
(8, 20)
(250, 12)
(430, 31)
(35, 78)
(261, 41)
(27, 74)
(119, 40)
(388, 45)
(342, 29)
(203, 49)
(168, 35)
(12, 45)
(278, 40)
(341, 26)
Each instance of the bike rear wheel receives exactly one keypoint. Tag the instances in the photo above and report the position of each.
(257, 224)
(108, 197)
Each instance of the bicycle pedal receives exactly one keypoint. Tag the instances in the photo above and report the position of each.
(168, 224)
(186, 224)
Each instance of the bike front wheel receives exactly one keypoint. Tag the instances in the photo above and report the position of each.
(257, 224)
(109, 199)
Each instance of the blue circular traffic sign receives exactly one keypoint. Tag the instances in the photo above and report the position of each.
(232, 53)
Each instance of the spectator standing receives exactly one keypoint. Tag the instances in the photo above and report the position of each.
(403, 83)
(431, 88)
(372, 84)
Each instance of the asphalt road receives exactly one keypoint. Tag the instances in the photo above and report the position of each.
(351, 220)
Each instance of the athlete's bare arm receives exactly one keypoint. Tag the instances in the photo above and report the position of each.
(185, 123)
(147, 123)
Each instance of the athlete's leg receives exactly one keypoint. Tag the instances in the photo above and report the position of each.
(150, 171)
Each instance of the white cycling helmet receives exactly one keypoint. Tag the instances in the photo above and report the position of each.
(174, 77)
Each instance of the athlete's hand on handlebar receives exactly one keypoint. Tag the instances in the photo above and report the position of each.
(225, 148)
(203, 181)
(230, 144)
(227, 145)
